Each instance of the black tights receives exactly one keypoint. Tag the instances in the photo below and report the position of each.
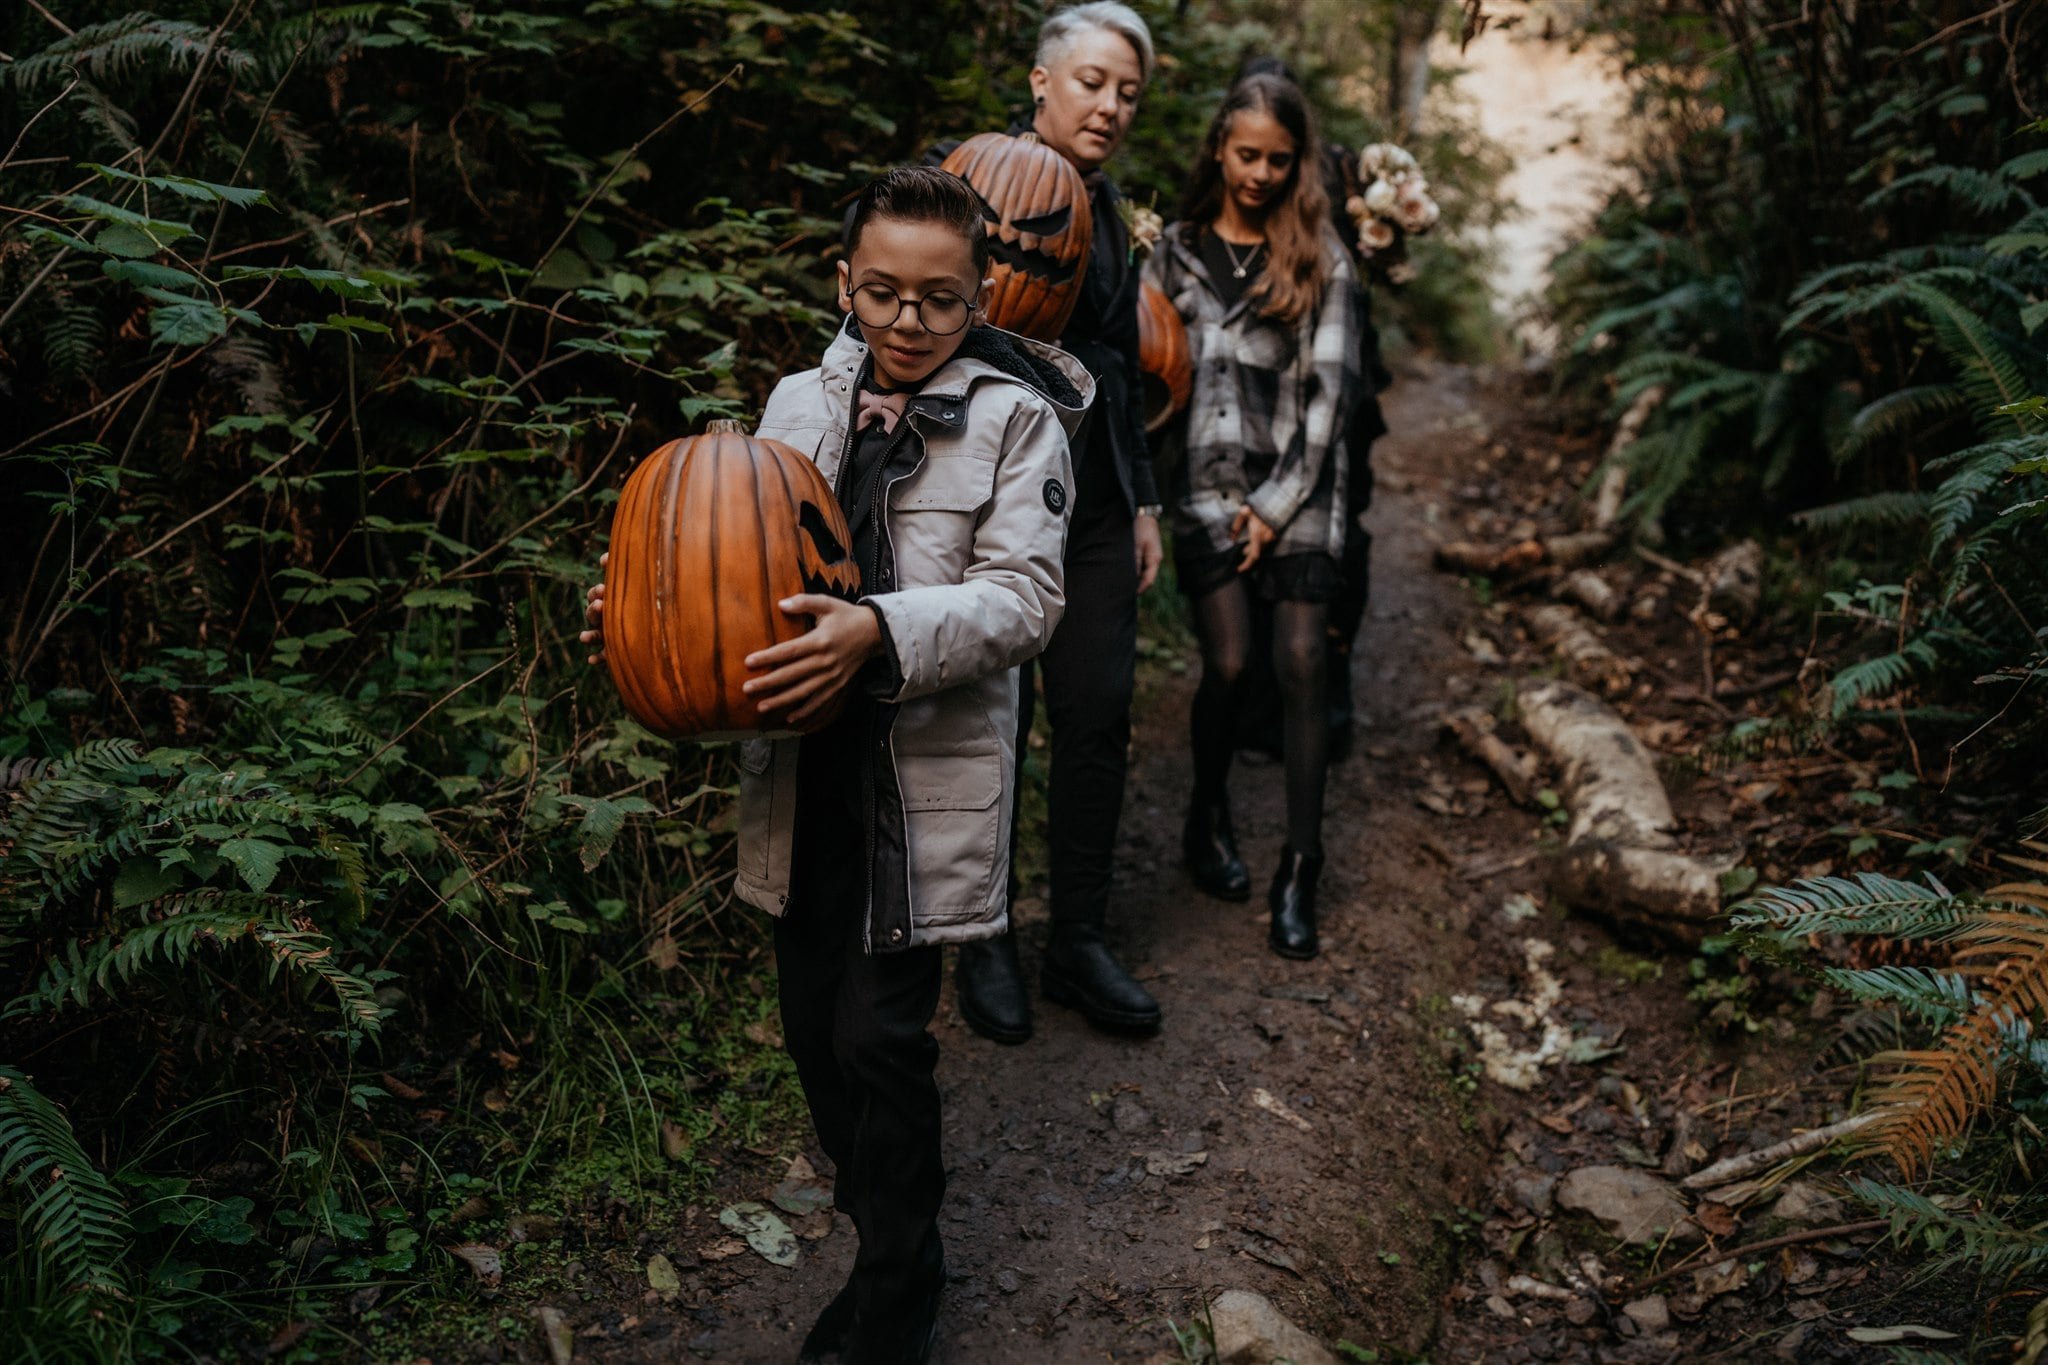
(1223, 622)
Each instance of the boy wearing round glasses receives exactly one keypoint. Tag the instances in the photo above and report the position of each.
(887, 833)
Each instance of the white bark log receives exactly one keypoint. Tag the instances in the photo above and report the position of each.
(1591, 662)
(1674, 895)
(1590, 591)
(1610, 780)
(1614, 482)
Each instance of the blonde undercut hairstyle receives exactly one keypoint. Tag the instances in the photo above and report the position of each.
(1056, 37)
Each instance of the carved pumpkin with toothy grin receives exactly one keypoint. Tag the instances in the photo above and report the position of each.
(1039, 229)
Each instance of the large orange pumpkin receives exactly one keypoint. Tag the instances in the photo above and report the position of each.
(1166, 369)
(709, 534)
(1039, 228)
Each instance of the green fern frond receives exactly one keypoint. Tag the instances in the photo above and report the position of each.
(189, 922)
(1954, 1236)
(1896, 508)
(71, 1220)
(72, 336)
(1993, 369)
(1866, 903)
(1881, 675)
(116, 50)
(1901, 413)
(1979, 191)
(1934, 998)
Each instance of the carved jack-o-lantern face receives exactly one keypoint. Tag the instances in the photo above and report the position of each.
(709, 535)
(1039, 229)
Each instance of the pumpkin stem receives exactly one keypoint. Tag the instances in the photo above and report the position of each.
(725, 426)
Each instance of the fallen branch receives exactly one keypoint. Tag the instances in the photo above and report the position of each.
(1474, 729)
(1614, 479)
(1768, 1244)
(1812, 1140)
(1559, 629)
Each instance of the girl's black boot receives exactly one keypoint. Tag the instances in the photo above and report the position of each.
(1210, 849)
(1293, 902)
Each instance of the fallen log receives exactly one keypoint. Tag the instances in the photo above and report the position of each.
(1676, 895)
(1620, 859)
(1464, 556)
(1733, 582)
(1590, 591)
(1559, 629)
(1609, 780)
(1474, 729)
(1567, 551)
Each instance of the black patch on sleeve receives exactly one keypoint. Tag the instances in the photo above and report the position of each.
(1055, 496)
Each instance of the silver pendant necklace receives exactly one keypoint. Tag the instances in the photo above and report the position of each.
(1237, 267)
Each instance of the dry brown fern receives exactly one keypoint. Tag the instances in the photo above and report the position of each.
(1930, 1102)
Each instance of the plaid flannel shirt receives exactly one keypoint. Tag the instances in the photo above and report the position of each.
(1267, 396)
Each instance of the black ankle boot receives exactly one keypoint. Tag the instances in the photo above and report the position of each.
(1080, 974)
(993, 1000)
(828, 1334)
(1210, 849)
(1293, 902)
(901, 1332)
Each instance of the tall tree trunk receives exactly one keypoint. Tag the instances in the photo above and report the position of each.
(1408, 68)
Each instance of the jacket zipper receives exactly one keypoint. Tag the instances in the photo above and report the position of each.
(886, 542)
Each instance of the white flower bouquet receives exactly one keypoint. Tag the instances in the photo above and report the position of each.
(1393, 205)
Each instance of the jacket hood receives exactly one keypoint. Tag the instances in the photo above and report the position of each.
(987, 353)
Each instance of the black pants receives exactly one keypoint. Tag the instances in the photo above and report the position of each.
(1088, 672)
(858, 1028)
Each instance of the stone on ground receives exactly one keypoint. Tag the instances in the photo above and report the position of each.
(1634, 1205)
(1251, 1331)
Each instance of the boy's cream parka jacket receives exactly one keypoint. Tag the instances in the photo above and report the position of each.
(970, 587)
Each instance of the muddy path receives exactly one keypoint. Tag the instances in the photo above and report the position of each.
(1320, 1133)
(1304, 1130)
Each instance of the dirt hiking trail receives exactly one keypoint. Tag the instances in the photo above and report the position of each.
(1298, 1129)
(1340, 1136)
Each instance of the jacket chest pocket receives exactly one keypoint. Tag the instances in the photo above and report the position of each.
(933, 516)
(1262, 346)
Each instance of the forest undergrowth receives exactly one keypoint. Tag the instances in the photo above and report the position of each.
(1824, 298)
(338, 907)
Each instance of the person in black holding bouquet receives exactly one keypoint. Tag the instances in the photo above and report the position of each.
(1093, 62)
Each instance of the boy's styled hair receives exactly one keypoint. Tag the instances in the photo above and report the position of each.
(922, 194)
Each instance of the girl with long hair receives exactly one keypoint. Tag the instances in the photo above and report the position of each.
(1259, 500)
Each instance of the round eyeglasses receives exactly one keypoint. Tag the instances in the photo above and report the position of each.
(877, 305)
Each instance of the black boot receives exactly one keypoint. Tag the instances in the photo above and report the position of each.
(1293, 902)
(902, 1332)
(828, 1334)
(1211, 852)
(1080, 974)
(992, 995)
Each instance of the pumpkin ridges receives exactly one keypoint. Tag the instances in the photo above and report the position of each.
(685, 607)
(1165, 363)
(1022, 178)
